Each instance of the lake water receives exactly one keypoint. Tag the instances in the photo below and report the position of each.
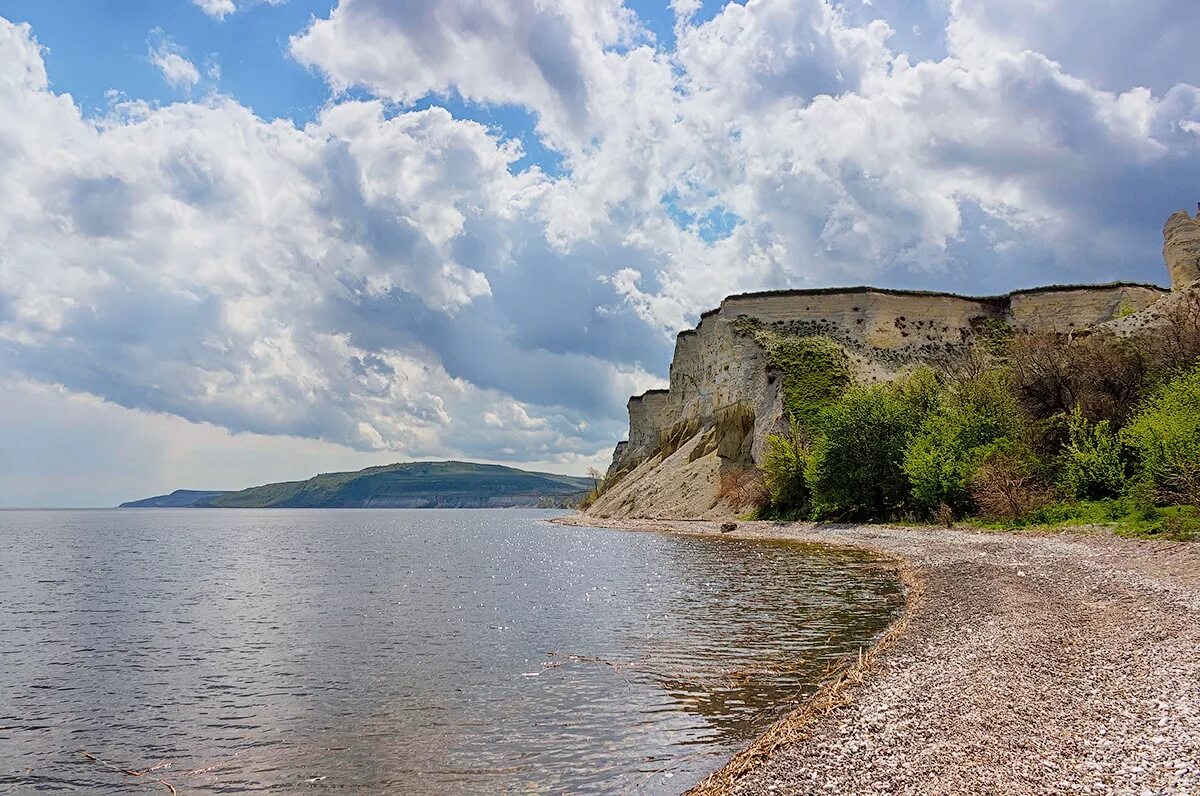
(410, 651)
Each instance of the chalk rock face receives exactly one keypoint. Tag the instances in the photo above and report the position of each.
(1181, 249)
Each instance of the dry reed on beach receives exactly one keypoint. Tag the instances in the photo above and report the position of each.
(839, 692)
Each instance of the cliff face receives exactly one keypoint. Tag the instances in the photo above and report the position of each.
(1181, 249)
(725, 396)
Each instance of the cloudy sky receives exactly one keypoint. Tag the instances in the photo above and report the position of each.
(248, 240)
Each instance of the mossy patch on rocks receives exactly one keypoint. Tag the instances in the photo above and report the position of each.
(815, 368)
(992, 334)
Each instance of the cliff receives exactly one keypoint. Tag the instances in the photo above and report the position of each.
(726, 394)
(1181, 249)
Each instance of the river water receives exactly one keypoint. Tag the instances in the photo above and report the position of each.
(403, 651)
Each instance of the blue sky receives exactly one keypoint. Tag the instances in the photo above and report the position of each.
(94, 48)
(97, 47)
(249, 240)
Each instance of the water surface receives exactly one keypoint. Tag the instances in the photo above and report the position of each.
(449, 651)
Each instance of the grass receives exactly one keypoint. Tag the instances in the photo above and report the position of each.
(1176, 523)
(1168, 523)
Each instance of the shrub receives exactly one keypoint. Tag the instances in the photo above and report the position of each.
(1174, 346)
(1091, 461)
(1140, 497)
(1182, 527)
(784, 460)
(1046, 376)
(1165, 436)
(856, 469)
(599, 484)
(1005, 484)
(742, 487)
(972, 413)
(1101, 375)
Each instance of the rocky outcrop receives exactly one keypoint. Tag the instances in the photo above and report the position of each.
(724, 386)
(1181, 249)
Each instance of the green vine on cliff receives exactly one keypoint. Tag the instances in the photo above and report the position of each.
(814, 368)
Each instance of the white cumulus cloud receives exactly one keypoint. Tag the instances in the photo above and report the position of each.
(197, 260)
(218, 9)
(176, 69)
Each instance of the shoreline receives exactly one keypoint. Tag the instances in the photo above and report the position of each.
(1025, 663)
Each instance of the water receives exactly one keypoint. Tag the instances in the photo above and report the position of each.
(403, 651)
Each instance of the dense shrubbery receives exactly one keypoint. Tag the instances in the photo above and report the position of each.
(784, 462)
(1092, 465)
(856, 468)
(815, 373)
(1026, 428)
(971, 413)
(1165, 435)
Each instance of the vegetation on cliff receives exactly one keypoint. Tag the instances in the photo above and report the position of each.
(1022, 429)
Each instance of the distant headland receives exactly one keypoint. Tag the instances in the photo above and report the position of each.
(407, 485)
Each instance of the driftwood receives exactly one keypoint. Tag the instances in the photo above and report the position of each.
(133, 772)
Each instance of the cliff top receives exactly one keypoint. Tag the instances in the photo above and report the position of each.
(887, 291)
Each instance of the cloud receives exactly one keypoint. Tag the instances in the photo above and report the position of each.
(219, 9)
(388, 278)
(196, 260)
(545, 56)
(177, 70)
(1117, 45)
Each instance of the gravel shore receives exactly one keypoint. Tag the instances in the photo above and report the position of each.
(1025, 664)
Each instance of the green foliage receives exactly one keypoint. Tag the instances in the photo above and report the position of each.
(945, 451)
(1123, 515)
(990, 436)
(784, 462)
(815, 372)
(1141, 498)
(1091, 462)
(855, 470)
(1165, 435)
(993, 335)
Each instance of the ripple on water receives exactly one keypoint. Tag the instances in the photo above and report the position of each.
(429, 651)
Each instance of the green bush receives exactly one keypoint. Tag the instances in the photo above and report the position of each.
(815, 372)
(944, 453)
(784, 462)
(856, 467)
(1165, 435)
(1091, 462)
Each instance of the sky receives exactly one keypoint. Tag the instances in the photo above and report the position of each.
(252, 240)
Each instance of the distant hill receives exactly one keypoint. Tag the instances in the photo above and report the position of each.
(179, 499)
(408, 485)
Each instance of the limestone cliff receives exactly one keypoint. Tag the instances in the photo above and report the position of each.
(725, 394)
(1181, 249)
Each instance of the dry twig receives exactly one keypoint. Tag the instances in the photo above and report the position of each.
(132, 772)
